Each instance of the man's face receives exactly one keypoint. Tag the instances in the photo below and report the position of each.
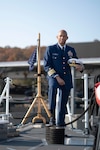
(62, 37)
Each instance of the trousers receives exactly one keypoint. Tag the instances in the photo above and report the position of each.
(58, 96)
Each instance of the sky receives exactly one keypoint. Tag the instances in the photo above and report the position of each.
(21, 21)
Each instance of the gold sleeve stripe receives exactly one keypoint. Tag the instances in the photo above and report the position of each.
(51, 72)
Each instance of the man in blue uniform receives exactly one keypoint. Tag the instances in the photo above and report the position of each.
(59, 75)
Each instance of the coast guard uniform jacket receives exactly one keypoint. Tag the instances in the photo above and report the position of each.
(55, 63)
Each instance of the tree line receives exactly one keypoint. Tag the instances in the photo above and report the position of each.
(18, 54)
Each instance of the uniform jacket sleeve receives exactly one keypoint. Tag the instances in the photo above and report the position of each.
(48, 66)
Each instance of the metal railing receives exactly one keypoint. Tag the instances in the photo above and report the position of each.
(5, 96)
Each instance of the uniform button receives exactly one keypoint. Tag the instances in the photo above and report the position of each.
(63, 62)
(64, 72)
(63, 57)
(63, 67)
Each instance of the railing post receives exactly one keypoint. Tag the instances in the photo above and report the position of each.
(85, 77)
(73, 90)
(7, 95)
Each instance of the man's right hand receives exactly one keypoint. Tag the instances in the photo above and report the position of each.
(60, 81)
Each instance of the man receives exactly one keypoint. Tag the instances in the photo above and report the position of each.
(59, 75)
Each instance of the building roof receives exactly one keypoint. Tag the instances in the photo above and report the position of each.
(87, 49)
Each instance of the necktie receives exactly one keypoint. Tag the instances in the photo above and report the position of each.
(63, 48)
(63, 51)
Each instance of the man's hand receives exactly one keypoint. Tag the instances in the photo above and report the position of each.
(60, 80)
(79, 67)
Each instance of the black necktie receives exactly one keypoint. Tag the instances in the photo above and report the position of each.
(63, 51)
(63, 48)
